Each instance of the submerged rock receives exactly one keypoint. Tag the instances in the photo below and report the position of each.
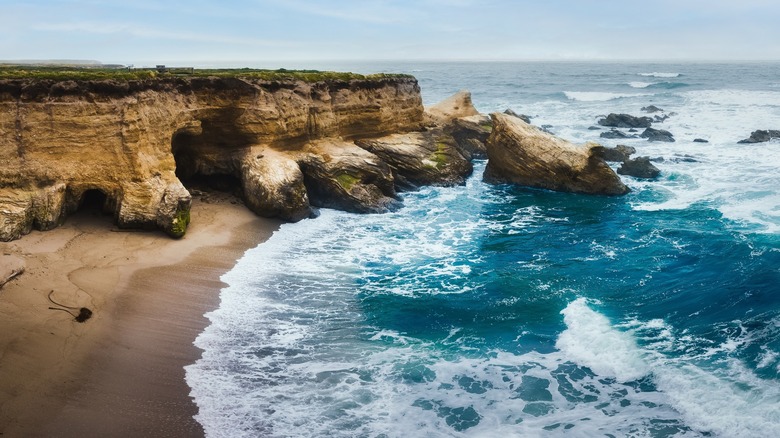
(651, 109)
(625, 121)
(700, 140)
(652, 134)
(639, 167)
(614, 134)
(523, 154)
(761, 136)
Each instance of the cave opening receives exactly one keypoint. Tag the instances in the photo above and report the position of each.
(203, 166)
(95, 202)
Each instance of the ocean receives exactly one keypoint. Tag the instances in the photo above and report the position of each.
(504, 311)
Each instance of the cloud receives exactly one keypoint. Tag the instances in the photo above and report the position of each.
(150, 33)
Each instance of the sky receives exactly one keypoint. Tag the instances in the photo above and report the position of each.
(149, 32)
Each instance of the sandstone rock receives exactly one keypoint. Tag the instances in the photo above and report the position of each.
(470, 134)
(761, 136)
(455, 106)
(522, 154)
(652, 134)
(618, 154)
(639, 167)
(338, 174)
(625, 121)
(131, 141)
(422, 158)
(273, 185)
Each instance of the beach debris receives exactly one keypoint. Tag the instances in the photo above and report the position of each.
(83, 312)
(10, 268)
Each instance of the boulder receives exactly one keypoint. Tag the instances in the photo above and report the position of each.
(652, 134)
(421, 158)
(273, 185)
(639, 167)
(625, 121)
(338, 174)
(761, 136)
(700, 140)
(614, 134)
(617, 154)
(455, 106)
(523, 154)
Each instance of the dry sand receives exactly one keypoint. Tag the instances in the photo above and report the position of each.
(120, 373)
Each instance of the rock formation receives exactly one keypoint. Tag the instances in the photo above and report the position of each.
(523, 154)
(625, 121)
(761, 136)
(639, 167)
(617, 154)
(131, 143)
(652, 134)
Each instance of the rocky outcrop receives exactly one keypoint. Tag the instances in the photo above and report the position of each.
(614, 134)
(652, 134)
(456, 106)
(639, 167)
(617, 154)
(761, 136)
(421, 158)
(625, 121)
(651, 109)
(523, 154)
(132, 143)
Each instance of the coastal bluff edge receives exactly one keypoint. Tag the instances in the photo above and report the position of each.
(288, 145)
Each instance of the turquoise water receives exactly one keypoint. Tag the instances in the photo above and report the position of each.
(503, 311)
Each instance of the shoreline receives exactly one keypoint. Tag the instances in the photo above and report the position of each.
(121, 373)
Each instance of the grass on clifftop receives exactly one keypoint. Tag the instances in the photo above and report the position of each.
(92, 74)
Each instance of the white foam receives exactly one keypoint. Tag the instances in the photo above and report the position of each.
(598, 96)
(591, 341)
(660, 75)
(640, 84)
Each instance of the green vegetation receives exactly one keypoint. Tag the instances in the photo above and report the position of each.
(440, 156)
(62, 73)
(347, 181)
(180, 223)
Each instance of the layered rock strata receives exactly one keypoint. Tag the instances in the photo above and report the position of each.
(130, 144)
(523, 154)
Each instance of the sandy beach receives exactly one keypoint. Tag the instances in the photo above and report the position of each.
(120, 373)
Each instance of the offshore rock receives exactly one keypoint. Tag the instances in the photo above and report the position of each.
(614, 134)
(761, 136)
(618, 154)
(522, 117)
(625, 121)
(652, 134)
(639, 167)
(651, 109)
(131, 141)
(523, 154)
(422, 158)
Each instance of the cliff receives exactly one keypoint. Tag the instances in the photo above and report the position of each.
(132, 145)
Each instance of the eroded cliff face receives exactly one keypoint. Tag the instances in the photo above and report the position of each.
(132, 144)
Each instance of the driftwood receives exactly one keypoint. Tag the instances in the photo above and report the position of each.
(11, 276)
